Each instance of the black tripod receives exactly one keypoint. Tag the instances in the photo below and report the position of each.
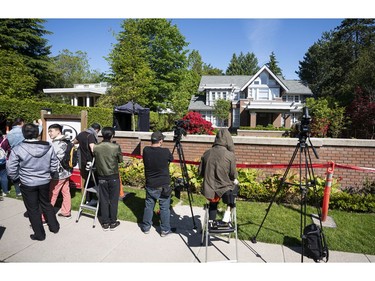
(184, 172)
(306, 171)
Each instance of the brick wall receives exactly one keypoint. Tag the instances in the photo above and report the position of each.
(263, 150)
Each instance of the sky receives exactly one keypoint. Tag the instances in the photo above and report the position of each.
(215, 39)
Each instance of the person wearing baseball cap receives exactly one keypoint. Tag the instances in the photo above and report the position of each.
(156, 160)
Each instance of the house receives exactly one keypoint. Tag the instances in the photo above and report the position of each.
(261, 99)
(80, 94)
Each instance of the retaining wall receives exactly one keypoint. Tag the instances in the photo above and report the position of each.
(268, 150)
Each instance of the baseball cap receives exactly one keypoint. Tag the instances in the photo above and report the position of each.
(157, 136)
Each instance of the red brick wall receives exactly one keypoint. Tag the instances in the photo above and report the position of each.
(262, 150)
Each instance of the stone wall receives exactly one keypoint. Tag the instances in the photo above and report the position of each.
(263, 150)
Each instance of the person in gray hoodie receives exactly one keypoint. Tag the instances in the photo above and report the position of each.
(218, 169)
(33, 163)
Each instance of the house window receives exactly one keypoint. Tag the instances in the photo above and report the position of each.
(262, 94)
(236, 117)
(224, 95)
(275, 92)
(264, 78)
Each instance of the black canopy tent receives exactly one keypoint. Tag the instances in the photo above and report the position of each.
(122, 117)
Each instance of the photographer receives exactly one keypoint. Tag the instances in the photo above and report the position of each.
(218, 169)
(156, 160)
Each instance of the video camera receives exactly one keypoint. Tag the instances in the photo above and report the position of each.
(179, 131)
(304, 126)
(179, 186)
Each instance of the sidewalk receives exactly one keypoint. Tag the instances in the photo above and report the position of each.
(80, 242)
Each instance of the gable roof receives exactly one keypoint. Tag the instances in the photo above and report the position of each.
(256, 75)
(240, 82)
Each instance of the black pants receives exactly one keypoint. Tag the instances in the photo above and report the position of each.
(108, 199)
(228, 198)
(36, 198)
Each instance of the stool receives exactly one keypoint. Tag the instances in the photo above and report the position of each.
(216, 228)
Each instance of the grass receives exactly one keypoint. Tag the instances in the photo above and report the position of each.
(354, 232)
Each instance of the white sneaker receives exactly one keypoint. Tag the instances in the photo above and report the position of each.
(226, 217)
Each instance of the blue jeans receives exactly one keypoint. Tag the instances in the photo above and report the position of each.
(4, 180)
(152, 195)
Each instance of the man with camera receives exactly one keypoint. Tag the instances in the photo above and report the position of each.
(156, 160)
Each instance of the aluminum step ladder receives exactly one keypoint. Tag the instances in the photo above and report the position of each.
(84, 206)
(213, 228)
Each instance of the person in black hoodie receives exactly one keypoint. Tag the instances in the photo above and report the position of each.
(33, 163)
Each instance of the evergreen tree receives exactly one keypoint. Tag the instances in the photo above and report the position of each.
(25, 36)
(273, 65)
(16, 81)
(243, 64)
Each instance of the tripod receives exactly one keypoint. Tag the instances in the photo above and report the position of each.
(184, 173)
(306, 170)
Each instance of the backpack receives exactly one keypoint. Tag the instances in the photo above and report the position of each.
(70, 159)
(3, 154)
(314, 243)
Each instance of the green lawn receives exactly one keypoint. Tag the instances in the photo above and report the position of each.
(355, 232)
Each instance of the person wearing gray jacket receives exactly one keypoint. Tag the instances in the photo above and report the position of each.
(218, 169)
(33, 163)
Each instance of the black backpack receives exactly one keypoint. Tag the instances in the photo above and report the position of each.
(314, 243)
(70, 158)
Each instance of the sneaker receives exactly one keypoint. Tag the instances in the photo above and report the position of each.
(105, 226)
(114, 225)
(146, 231)
(44, 223)
(33, 237)
(5, 194)
(25, 214)
(64, 216)
(19, 194)
(165, 233)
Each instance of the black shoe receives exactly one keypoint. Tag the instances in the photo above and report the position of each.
(25, 214)
(33, 237)
(114, 225)
(105, 226)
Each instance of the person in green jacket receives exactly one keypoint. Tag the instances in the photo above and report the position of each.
(107, 157)
(218, 169)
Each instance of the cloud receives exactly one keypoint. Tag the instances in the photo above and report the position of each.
(263, 37)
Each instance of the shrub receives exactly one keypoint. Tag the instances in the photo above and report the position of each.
(197, 125)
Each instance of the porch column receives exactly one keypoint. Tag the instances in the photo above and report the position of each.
(277, 122)
(75, 101)
(288, 121)
(253, 119)
(87, 100)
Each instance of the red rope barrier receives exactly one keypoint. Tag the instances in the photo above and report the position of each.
(274, 166)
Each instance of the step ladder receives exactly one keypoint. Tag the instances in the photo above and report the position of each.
(215, 228)
(85, 208)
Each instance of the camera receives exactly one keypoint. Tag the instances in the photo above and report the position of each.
(179, 186)
(179, 131)
(303, 127)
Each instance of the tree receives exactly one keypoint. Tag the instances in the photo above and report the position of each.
(243, 64)
(73, 68)
(222, 110)
(328, 65)
(362, 115)
(328, 118)
(148, 61)
(16, 81)
(273, 65)
(25, 36)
